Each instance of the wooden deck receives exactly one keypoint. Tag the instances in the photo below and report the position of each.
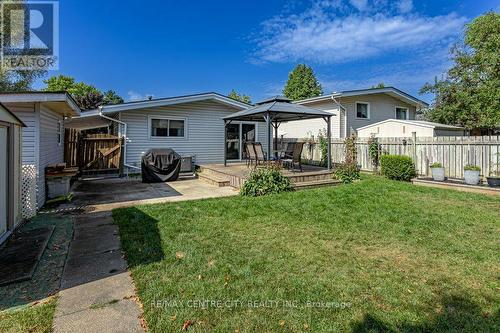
(235, 174)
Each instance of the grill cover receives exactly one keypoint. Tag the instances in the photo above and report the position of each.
(160, 165)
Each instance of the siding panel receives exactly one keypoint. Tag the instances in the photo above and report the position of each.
(205, 131)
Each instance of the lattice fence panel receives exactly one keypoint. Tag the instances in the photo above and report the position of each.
(28, 191)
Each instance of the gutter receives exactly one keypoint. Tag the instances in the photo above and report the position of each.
(345, 114)
(124, 136)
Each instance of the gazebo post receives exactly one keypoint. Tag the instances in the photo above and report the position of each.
(267, 117)
(276, 138)
(225, 142)
(329, 138)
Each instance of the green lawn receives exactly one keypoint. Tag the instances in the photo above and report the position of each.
(32, 318)
(372, 256)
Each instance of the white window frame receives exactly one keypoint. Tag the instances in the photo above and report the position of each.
(151, 137)
(396, 107)
(356, 110)
(60, 132)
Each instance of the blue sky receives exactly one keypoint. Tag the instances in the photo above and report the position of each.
(168, 48)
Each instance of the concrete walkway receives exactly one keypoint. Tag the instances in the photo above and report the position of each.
(97, 293)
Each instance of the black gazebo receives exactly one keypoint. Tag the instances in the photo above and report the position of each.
(274, 111)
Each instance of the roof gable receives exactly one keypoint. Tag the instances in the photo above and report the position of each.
(173, 101)
(391, 91)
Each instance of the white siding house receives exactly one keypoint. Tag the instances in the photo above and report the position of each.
(191, 125)
(355, 109)
(10, 166)
(43, 113)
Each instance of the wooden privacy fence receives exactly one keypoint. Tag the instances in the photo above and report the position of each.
(453, 152)
(93, 152)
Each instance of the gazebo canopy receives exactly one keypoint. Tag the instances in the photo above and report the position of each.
(273, 112)
(280, 109)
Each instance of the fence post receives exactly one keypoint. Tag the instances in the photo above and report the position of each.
(414, 148)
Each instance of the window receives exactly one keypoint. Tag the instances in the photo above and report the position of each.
(59, 132)
(165, 127)
(402, 113)
(362, 110)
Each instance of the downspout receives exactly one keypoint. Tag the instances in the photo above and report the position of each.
(345, 114)
(124, 136)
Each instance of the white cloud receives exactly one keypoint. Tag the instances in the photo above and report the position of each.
(134, 96)
(405, 6)
(359, 4)
(322, 35)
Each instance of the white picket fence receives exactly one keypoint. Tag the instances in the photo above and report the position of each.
(453, 152)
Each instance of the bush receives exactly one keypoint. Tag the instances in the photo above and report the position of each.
(268, 180)
(436, 165)
(470, 167)
(397, 167)
(346, 173)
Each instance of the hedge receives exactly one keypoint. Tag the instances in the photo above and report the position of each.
(397, 167)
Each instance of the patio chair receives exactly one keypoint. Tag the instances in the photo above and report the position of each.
(288, 150)
(260, 156)
(295, 157)
(250, 154)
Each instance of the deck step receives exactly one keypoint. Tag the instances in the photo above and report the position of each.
(214, 179)
(316, 183)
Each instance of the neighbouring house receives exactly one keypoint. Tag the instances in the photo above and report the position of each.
(355, 109)
(391, 128)
(10, 172)
(43, 113)
(191, 125)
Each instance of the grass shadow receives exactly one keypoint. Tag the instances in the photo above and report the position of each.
(139, 235)
(456, 314)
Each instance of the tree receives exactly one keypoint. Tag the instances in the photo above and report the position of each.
(302, 83)
(242, 98)
(380, 85)
(87, 96)
(469, 94)
(18, 80)
(111, 97)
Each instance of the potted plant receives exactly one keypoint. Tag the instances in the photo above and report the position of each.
(471, 174)
(494, 177)
(437, 172)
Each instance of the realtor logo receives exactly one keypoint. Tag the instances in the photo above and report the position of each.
(30, 35)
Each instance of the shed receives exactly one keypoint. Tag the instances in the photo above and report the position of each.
(10, 166)
(399, 128)
(44, 114)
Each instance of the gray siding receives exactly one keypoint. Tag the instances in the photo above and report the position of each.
(382, 107)
(51, 151)
(205, 131)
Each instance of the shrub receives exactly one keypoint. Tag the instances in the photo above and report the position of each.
(346, 173)
(263, 181)
(470, 167)
(397, 167)
(436, 165)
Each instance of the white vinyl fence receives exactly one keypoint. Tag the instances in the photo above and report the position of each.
(453, 152)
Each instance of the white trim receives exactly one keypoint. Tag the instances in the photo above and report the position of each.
(411, 122)
(40, 97)
(401, 95)
(60, 132)
(356, 110)
(156, 138)
(172, 101)
(401, 107)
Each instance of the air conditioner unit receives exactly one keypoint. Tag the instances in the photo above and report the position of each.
(187, 163)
